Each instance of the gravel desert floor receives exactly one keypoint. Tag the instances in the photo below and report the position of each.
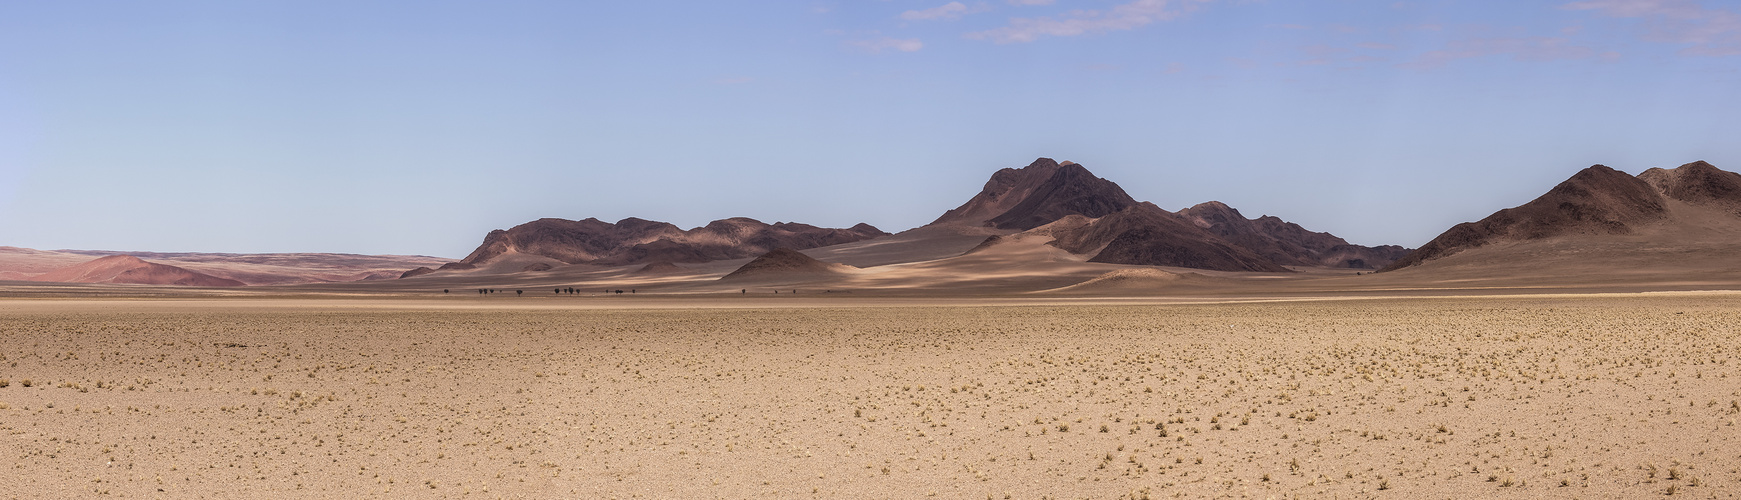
(1594, 396)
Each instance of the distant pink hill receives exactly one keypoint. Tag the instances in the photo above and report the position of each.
(128, 269)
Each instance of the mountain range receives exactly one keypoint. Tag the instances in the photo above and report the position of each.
(1048, 226)
(1082, 213)
(1693, 206)
(635, 241)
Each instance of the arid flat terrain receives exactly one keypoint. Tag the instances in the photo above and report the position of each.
(1586, 396)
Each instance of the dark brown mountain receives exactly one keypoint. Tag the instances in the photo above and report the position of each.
(1353, 256)
(1036, 195)
(1208, 236)
(1145, 234)
(1006, 188)
(1596, 201)
(131, 270)
(632, 240)
(1287, 243)
(1698, 183)
(786, 264)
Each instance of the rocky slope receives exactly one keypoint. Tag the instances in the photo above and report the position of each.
(1038, 194)
(1145, 234)
(1697, 183)
(1287, 243)
(1118, 229)
(1597, 203)
(633, 241)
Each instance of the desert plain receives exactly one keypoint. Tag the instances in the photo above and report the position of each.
(1590, 395)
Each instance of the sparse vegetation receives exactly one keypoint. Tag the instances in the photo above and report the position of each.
(1304, 401)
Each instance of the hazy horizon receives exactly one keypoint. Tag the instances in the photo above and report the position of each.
(407, 128)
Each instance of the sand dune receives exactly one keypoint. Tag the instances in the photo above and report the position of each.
(660, 268)
(913, 245)
(785, 265)
(1140, 281)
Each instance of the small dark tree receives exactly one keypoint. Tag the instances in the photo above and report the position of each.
(517, 292)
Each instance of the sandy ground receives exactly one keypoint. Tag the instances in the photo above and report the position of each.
(1586, 396)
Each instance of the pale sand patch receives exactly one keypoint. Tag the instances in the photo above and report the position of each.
(1614, 396)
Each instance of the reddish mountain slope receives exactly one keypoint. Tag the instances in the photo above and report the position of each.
(253, 269)
(130, 270)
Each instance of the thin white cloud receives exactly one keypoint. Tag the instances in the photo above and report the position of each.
(877, 45)
(1705, 31)
(951, 10)
(1347, 57)
(1030, 2)
(1121, 17)
(1639, 8)
(1520, 48)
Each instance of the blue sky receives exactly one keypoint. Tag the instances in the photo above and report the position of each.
(416, 127)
